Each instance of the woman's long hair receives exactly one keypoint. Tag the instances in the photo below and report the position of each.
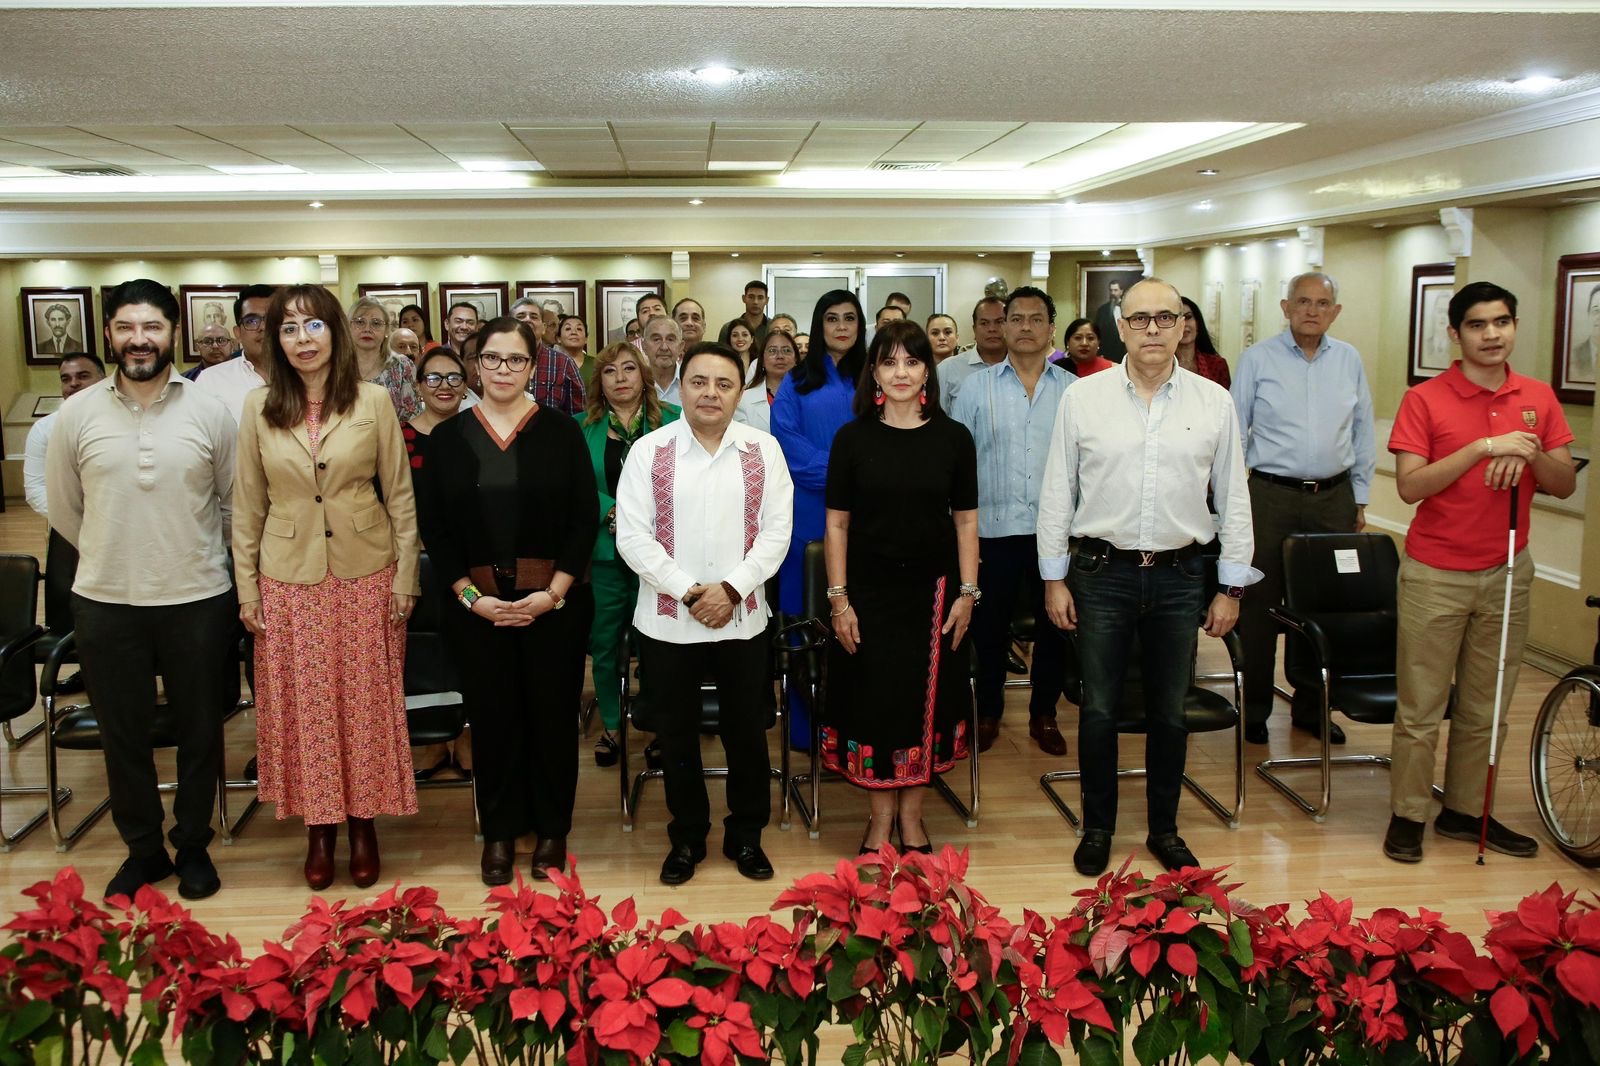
(285, 406)
(599, 408)
(811, 373)
(1202, 336)
(893, 335)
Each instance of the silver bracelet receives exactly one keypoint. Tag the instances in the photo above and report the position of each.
(837, 590)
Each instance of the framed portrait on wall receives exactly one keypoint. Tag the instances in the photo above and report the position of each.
(57, 321)
(1095, 283)
(563, 297)
(489, 297)
(203, 306)
(398, 295)
(618, 304)
(1577, 327)
(1432, 285)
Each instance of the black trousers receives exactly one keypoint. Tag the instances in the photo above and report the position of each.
(1008, 570)
(523, 686)
(674, 673)
(122, 650)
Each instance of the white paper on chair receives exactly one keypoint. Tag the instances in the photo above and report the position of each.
(1346, 561)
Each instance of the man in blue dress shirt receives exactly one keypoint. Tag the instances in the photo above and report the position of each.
(1010, 408)
(1306, 415)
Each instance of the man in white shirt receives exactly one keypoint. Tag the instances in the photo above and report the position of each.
(232, 380)
(141, 482)
(79, 370)
(1124, 505)
(704, 512)
(663, 347)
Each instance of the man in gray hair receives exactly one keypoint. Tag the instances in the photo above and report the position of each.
(1305, 413)
(663, 347)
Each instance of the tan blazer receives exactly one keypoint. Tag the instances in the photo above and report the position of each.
(294, 519)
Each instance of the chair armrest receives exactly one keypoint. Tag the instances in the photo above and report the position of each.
(1235, 645)
(20, 643)
(1308, 628)
(52, 666)
(810, 633)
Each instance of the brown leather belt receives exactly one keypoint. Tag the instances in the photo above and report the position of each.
(1105, 550)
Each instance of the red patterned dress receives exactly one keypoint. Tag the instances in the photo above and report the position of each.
(331, 738)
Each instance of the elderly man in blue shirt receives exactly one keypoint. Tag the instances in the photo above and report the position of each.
(1010, 409)
(1306, 416)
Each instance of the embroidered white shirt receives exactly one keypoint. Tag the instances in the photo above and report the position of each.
(687, 517)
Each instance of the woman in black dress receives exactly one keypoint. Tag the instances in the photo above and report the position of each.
(902, 552)
(509, 518)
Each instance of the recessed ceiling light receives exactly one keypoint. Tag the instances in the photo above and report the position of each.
(1209, 172)
(1282, 244)
(899, 255)
(738, 165)
(733, 255)
(1535, 83)
(983, 255)
(315, 204)
(816, 253)
(1379, 225)
(1203, 205)
(258, 168)
(498, 166)
(696, 202)
(716, 75)
(1105, 252)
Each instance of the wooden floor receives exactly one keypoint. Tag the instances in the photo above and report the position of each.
(1021, 852)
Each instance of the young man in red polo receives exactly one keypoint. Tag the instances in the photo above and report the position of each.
(1461, 441)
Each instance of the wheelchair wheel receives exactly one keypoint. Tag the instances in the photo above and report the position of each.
(1565, 765)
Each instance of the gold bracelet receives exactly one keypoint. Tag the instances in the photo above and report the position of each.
(837, 613)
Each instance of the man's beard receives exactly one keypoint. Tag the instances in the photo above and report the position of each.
(143, 372)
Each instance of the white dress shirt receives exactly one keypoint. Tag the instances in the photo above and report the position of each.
(671, 394)
(1135, 476)
(33, 465)
(755, 409)
(687, 517)
(231, 381)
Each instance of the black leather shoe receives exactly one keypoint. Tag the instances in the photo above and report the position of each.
(1313, 726)
(1014, 663)
(69, 685)
(606, 750)
(751, 861)
(1458, 826)
(499, 856)
(1255, 732)
(249, 771)
(1094, 853)
(1403, 841)
(652, 755)
(988, 731)
(197, 875)
(549, 854)
(136, 872)
(1170, 851)
(680, 863)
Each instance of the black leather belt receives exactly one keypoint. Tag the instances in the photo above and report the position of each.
(1105, 550)
(1301, 483)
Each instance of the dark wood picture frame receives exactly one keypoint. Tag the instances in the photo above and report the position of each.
(475, 292)
(1576, 359)
(398, 294)
(1428, 348)
(609, 314)
(572, 295)
(208, 298)
(37, 307)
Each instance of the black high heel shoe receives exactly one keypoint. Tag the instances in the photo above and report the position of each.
(864, 850)
(606, 750)
(921, 849)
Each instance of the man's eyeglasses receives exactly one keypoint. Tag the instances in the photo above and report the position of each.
(454, 380)
(212, 342)
(311, 327)
(491, 361)
(1163, 319)
(253, 322)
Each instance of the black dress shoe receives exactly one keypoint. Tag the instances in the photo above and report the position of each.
(136, 872)
(680, 863)
(1458, 826)
(1014, 663)
(751, 861)
(70, 685)
(499, 857)
(1094, 853)
(1314, 727)
(1403, 841)
(428, 773)
(1044, 733)
(1170, 851)
(988, 731)
(197, 875)
(249, 772)
(652, 755)
(549, 854)
(1255, 732)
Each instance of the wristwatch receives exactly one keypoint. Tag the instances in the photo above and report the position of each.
(971, 590)
(1234, 592)
(556, 602)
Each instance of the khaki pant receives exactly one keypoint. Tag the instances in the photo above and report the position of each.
(1450, 626)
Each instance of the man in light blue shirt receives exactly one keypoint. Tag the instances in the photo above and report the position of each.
(1306, 416)
(1010, 409)
(988, 348)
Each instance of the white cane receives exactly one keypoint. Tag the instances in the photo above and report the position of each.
(1500, 674)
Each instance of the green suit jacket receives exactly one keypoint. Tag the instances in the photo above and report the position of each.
(605, 545)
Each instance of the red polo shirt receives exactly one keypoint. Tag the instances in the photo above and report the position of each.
(1464, 526)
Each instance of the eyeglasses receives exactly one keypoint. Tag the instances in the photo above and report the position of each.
(454, 380)
(368, 323)
(311, 327)
(253, 322)
(212, 342)
(1139, 320)
(491, 361)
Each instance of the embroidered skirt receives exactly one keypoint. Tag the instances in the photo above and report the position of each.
(899, 710)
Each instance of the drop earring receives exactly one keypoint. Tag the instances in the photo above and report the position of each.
(877, 396)
(922, 397)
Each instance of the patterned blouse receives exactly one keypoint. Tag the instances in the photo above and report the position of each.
(399, 376)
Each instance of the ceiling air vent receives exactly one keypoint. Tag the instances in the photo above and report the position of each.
(95, 170)
(907, 166)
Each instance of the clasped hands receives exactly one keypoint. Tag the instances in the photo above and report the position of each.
(254, 619)
(1511, 453)
(514, 612)
(709, 605)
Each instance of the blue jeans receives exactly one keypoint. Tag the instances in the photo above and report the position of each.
(1152, 612)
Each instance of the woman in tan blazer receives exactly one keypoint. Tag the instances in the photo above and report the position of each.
(325, 553)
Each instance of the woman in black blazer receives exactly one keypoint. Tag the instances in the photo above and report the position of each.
(510, 514)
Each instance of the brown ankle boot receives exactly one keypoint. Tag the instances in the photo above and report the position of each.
(363, 852)
(550, 854)
(320, 840)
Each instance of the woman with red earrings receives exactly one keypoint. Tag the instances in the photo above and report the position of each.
(902, 554)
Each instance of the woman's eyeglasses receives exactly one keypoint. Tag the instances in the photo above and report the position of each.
(491, 361)
(454, 380)
(311, 327)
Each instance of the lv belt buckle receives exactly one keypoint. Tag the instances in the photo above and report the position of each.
(1310, 485)
(1146, 558)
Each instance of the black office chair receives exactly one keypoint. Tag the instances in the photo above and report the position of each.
(809, 648)
(1340, 620)
(19, 636)
(436, 712)
(1204, 711)
(61, 564)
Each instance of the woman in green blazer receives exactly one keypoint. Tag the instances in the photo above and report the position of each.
(622, 408)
